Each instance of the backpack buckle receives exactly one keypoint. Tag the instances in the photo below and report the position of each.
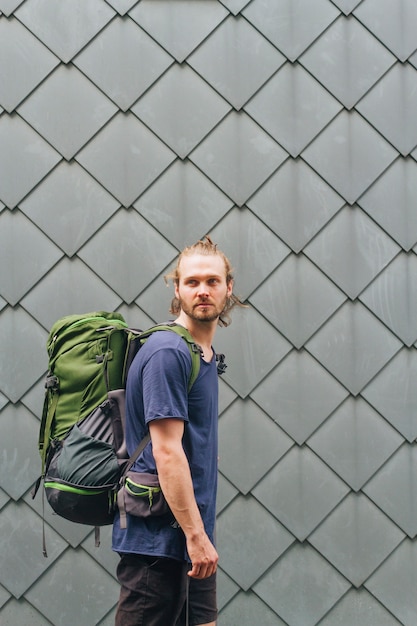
(221, 364)
(196, 348)
(52, 383)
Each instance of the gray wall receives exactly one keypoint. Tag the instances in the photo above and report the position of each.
(287, 130)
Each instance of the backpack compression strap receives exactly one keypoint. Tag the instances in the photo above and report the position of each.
(48, 414)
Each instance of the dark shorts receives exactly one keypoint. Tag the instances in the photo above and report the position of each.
(154, 593)
(202, 602)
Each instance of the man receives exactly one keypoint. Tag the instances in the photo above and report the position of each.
(167, 569)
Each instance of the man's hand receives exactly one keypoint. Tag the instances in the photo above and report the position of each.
(203, 557)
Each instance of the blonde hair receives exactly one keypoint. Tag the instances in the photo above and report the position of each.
(205, 246)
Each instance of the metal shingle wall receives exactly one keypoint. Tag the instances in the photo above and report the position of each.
(287, 130)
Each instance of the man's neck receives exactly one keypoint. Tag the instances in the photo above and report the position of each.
(202, 333)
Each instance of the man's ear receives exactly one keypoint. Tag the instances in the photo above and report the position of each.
(230, 288)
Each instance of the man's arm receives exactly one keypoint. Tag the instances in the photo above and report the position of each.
(175, 480)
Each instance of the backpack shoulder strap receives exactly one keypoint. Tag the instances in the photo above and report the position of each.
(195, 352)
(194, 348)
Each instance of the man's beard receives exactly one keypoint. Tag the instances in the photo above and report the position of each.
(199, 313)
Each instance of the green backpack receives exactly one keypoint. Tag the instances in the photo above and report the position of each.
(81, 438)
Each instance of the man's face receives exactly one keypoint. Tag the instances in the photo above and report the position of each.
(202, 290)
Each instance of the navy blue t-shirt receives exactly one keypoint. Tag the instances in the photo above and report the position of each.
(157, 388)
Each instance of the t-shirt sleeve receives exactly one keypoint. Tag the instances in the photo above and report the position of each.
(165, 383)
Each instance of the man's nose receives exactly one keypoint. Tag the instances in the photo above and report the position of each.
(203, 290)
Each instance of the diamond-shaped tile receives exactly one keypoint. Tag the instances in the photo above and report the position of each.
(20, 239)
(226, 396)
(293, 108)
(226, 588)
(79, 110)
(396, 284)
(243, 235)
(306, 299)
(390, 489)
(8, 6)
(394, 393)
(69, 206)
(183, 204)
(226, 492)
(350, 155)
(143, 254)
(237, 527)
(300, 491)
(111, 61)
(351, 250)
(21, 526)
(68, 30)
(394, 583)
(156, 299)
(245, 610)
(392, 22)
(355, 442)
(22, 612)
(105, 556)
(25, 158)
(77, 572)
(125, 157)
(295, 203)
(33, 399)
(4, 596)
(359, 607)
(244, 428)
(236, 60)
(121, 6)
(347, 59)
(353, 345)
(18, 365)
(110, 618)
(179, 26)
(3, 401)
(235, 6)
(24, 63)
(392, 199)
(356, 538)
(291, 25)
(135, 317)
(4, 499)
(308, 586)
(252, 348)
(346, 6)
(306, 391)
(19, 460)
(76, 289)
(238, 156)
(194, 109)
(389, 107)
